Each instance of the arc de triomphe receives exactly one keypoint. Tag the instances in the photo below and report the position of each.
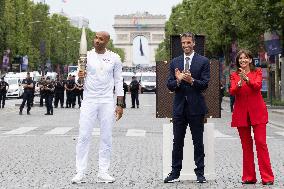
(128, 27)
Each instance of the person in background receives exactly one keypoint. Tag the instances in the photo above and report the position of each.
(28, 86)
(59, 92)
(125, 89)
(4, 86)
(134, 88)
(250, 113)
(49, 93)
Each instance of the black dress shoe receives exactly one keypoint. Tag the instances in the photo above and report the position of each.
(268, 183)
(47, 114)
(201, 179)
(171, 178)
(248, 182)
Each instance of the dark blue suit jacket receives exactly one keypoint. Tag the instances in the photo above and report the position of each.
(200, 72)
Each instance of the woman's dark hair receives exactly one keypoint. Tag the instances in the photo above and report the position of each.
(249, 55)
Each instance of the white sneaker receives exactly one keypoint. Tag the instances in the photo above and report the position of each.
(78, 179)
(105, 178)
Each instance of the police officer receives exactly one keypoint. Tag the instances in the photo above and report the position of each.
(33, 96)
(41, 84)
(28, 92)
(49, 92)
(79, 91)
(70, 87)
(59, 92)
(134, 88)
(3, 91)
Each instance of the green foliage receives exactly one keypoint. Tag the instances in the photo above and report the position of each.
(27, 28)
(223, 22)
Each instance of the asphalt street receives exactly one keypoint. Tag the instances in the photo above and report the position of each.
(38, 151)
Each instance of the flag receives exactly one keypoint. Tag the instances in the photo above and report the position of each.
(272, 43)
(25, 63)
(141, 48)
(5, 61)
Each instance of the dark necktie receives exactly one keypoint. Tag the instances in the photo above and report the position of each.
(186, 67)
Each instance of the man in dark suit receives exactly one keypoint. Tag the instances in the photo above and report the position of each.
(189, 77)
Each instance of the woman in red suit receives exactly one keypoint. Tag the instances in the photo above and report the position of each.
(250, 112)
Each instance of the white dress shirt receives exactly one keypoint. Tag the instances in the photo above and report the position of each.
(190, 59)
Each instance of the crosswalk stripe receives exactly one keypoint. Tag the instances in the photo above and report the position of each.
(58, 131)
(96, 132)
(20, 130)
(135, 132)
(280, 133)
(218, 134)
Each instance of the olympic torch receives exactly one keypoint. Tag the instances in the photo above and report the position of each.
(82, 62)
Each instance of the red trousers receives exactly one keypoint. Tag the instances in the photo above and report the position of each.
(262, 153)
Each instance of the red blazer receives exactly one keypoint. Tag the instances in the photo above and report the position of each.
(249, 104)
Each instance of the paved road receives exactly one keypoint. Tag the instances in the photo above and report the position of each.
(38, 151)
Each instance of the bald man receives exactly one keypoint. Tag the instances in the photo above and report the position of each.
(103, 73)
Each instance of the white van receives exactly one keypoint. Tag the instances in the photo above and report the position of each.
(147, 81)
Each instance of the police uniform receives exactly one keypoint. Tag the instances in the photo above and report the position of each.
(59, 93)
(27, 96)
(70, 93)
(3, 92)
(103, 74)
(41, 84)
(49, 93)
(79, 91)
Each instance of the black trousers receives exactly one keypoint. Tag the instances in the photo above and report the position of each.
(42, 96)
(59, 96)
(2, 98)
(79, 97)
(27, 98)
(48, 103)
(196, 125)
(135, 98)
(71, 99)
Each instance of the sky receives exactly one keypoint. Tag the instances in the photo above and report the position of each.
(101, 13)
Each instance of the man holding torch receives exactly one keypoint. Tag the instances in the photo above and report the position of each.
(102, 75)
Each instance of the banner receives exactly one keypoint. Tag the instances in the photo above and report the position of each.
(272, 43)
(25, 63)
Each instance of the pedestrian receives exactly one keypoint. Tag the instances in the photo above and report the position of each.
(41, 84)
(103, 73)
(125, 89)
(79, 91)
(134, 88)
(222, 93)
(33, 95)
(70, 89)
(28, 86)
(59, 92)
(250, 112)
(4, 86)
(49, 93)
(188, 78)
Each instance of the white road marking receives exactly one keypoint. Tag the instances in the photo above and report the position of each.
(218, 134)
(20, 130)
(58, 131)
(135, 132)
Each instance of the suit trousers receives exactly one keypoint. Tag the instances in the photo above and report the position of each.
(91, 112)
(196, 125)
(262, 153)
